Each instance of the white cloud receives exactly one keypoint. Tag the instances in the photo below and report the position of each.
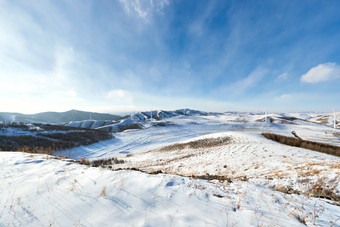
(119, 95)
(71, 96)
(254, 77)
(144, 8)
(283, 97)
(322, 72)
(63, 60)
(282, 76)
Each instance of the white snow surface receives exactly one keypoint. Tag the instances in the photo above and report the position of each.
(37, 190)
(184, 127)
(247, 156)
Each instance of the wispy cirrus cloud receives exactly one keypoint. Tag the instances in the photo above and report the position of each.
(284, 97)
(321, 72)
(144, 9)
(248, 82)
(282, 76)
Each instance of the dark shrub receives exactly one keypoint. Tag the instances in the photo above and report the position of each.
(311, 145)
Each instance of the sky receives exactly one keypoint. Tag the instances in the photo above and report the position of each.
(133, 55)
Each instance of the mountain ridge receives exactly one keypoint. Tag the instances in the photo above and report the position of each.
(57, 117)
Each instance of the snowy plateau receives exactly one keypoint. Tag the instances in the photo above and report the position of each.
(180, 168)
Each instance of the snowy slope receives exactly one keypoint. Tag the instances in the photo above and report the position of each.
(182, 127)
(249, 157)
(56, 117)
(327, 119)
(142, 118)
(41, 191)
(38, 191)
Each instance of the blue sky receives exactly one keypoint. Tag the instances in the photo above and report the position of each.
(132, 55)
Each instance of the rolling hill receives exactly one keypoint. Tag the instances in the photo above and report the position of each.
(57, 117)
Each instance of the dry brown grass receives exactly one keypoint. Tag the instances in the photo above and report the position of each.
(315, 146)
(315, 171)
(106, 162)
(308, 170)
(285, 189)
(198, 144)
(320, 190)
(278, 173)
(132, 126)
(84, 161)
(103, 192)
(212, 177)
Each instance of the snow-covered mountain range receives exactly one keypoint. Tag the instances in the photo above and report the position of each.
(159, 118)
(135, 121)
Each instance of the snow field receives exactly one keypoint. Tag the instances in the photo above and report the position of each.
(39, 191)
(189, 127)
(247, 157)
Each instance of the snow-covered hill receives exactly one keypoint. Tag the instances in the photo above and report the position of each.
(56, 117)
(144, 119)
(327, 119)
(38, 190)
(135, 121)
(177, 127)
(247, 156)
(250, 181)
